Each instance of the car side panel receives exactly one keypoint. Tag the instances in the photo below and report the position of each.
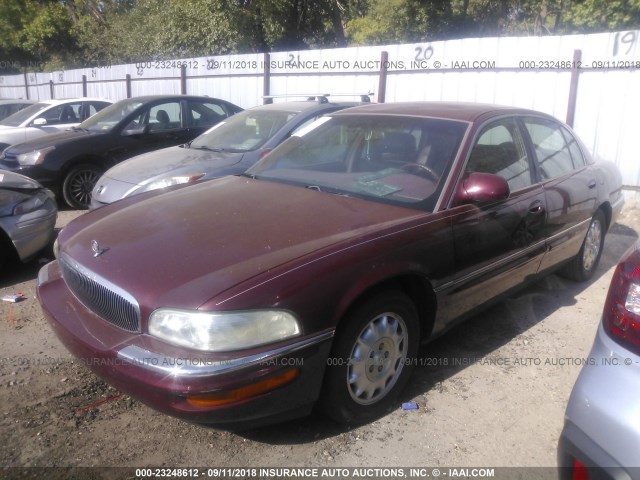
(497, 247)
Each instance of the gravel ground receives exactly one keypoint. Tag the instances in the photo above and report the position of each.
(492, 392)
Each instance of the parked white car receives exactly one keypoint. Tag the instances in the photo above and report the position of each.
(47, 116)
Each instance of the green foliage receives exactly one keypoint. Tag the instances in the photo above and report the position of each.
(60, 34)
(601, 15)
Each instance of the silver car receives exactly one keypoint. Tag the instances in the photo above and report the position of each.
(47, 116)
(601, 435)
(229, 148)
(9, 107)
(28, 215)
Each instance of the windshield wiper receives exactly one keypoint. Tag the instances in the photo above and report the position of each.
(208, 149)
(78, 129)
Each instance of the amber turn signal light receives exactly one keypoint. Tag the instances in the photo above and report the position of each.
(231, 396)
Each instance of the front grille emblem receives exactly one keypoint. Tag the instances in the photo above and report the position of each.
(97, 249)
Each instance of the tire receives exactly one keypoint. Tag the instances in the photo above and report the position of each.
(6, 250)
(583, 266)
(371, 360)
(78, 183)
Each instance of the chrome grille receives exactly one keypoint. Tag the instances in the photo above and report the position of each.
(110, 302)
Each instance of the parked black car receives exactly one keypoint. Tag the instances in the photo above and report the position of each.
(70, 163)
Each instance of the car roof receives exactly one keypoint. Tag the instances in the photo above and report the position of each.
(462, 111)
(10, 101)
(58, 101)
(304, 105)
(149, 98)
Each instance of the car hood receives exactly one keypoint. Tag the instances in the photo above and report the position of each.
(15, 181)
(163, 163)
(45, 141)
(185, 247)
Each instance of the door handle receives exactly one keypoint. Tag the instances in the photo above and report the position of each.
(536, 208)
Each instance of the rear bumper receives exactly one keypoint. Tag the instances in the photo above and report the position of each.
(602, 423)
(166, 377)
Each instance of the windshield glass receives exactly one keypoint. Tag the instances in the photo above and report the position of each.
(244, 132)
(394, 159)
(109, 117)
(23, 115)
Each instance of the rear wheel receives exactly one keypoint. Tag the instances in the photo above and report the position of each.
(583, 266)
(78, 184)
(371, 360)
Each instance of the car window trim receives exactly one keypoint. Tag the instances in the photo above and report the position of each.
(476, 135)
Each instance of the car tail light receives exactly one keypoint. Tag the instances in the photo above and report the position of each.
(264, 153)
(579, 471)
(621, 317)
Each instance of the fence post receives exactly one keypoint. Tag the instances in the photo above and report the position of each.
(52, 93)
(128, 82)
(573, 87)
(266, 78)
(84, 85)
(26, 83)
(382, 81)
(183, 79)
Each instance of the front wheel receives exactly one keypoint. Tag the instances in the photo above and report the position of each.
(583, 266)
(371, 360)
(78, 184)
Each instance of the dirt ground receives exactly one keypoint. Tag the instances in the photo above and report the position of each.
(492, 392)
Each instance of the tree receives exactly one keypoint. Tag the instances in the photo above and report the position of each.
(600, 15)
(12, 18)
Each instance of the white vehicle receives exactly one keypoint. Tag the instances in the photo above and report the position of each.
(47, 116)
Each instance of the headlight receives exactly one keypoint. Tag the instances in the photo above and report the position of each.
(20, 202)
(224, 331)
(176, 180)
(31, 204)
(34, 158)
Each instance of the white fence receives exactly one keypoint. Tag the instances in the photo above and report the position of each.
(530, 72)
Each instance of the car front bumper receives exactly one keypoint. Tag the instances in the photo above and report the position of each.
(47, 178)
(33, 231)
(602, 423)
(168, 378)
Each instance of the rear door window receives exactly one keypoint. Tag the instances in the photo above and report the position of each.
(553, 154)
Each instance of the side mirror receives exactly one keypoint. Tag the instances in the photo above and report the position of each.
(136, 130)
(39, 122)
(481, 188)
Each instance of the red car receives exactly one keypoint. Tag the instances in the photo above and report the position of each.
(313, 277)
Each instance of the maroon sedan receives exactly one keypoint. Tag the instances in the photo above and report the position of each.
(313, 278)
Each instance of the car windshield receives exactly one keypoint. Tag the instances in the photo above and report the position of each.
(395, 159)
(22, 116)
(244, 132)
(107, 118)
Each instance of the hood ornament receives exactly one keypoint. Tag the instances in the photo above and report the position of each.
(97, 249)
